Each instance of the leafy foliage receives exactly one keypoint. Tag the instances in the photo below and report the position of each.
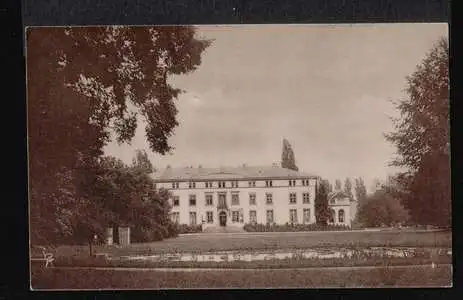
(321, 203)
(184, 228)
(85, 83)
(382, 208)
(360, 190)
(348, 187)
(422, 139)
(291, 228)
(337, 185)
(287, 156)
(142, 162)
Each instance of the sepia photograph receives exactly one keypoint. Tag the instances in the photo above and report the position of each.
(239, 156)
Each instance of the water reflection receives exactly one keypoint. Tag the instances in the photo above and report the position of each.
(295, 254)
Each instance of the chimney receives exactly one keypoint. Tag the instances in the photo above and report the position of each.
(168, 167)
(200, 166)
(244, 165)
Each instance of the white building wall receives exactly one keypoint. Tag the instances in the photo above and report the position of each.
(280, 190)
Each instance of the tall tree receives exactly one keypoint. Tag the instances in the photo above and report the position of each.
(422, 140)
(287, 156)
(360, 189)
(142, 162)
(86, 82)
(348, 187)
(337, 185)
(321, 203)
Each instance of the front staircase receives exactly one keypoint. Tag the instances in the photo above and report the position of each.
(223, 229)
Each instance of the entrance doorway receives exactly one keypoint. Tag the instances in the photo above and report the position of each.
(223, 219)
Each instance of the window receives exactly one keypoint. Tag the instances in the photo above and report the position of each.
(234, 184)
(306, 198)
(175, 185)
(306, 212)
(192, 218)
(192, 200)
(209, 199)
(293, 216)
(332, 201)
(176, 201)
(341, 216)
(192, 185)
(292, 183)
(252, 216)
(269, 198)
(210, 217)
(208, 184)
(268, 183)
(221, 184)
(222, 201)
(252, 184)
(305, 182)
(252, 199)
(235, 199)
(292, 198)
(235, 216)
(269, 216)
(175, 217)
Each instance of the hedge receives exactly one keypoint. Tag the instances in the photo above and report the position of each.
(290, 228)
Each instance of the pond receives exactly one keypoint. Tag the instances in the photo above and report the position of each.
(346, 253)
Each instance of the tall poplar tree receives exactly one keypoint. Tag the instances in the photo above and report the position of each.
(287, 156)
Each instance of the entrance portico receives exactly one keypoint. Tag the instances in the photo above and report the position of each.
(223, 219)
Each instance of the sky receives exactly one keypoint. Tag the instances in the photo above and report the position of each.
(325, 88)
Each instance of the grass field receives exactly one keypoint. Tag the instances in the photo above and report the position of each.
(271, 241)
(416, 276)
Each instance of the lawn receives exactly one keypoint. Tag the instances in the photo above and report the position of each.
(415, 276)
(271, 241)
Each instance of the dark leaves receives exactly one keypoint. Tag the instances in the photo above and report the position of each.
(422, 139)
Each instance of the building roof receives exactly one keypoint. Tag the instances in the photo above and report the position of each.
(339, 194)
(228, 173)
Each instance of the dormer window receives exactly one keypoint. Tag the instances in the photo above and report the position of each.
(175, 185)
(208, 184)
(305, 182)
(192, 185)
(292, 183)
(268, 183)
(234, 184)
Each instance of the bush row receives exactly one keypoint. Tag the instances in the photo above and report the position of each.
(184, 228)
(145, 234)
(289, 228)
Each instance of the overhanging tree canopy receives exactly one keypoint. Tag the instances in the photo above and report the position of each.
(85, 83)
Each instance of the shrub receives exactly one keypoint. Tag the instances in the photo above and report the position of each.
(291, 228)
(184, 228)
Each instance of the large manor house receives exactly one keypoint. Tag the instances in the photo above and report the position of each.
(234, 196)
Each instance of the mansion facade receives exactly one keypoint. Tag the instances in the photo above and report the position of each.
(230, 196)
